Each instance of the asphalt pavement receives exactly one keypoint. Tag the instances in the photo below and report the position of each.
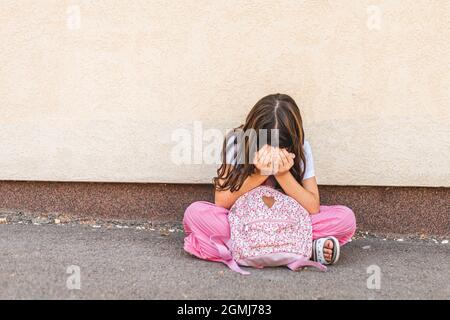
(74, 261)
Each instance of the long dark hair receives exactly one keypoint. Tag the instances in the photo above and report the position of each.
(275, 111)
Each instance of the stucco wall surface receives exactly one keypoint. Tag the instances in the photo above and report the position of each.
(93, 90)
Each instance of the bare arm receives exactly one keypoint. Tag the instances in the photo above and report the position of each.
(226, 198)
(307, 195)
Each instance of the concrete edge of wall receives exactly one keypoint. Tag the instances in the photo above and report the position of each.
(397, 210)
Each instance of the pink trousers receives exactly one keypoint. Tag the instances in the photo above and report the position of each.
(203, 220)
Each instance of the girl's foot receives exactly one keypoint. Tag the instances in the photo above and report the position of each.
(326, 250)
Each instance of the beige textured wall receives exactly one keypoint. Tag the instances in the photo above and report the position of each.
(96, 96)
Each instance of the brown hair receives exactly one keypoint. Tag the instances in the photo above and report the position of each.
(275, 111)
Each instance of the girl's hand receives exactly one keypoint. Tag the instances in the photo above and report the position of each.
(263, 160)
(284, 161)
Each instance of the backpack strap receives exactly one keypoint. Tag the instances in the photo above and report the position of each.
(225, 255)
(304, 262)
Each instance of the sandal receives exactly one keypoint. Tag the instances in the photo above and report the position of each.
(318, 250)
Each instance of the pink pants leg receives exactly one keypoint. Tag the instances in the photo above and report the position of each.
(337, 221)
(203, 220)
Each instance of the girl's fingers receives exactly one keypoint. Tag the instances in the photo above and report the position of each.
(274, 158)
(290, 157)
(284, 157)
(277, 160)
(260, 154)
(266, 162)
(256, 157)
(267, 157)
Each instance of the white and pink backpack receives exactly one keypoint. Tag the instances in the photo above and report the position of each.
(270, 229)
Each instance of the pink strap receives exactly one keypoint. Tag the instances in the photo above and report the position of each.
(303, 262)
(226, 256)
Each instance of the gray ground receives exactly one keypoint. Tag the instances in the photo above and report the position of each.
(144, 264)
